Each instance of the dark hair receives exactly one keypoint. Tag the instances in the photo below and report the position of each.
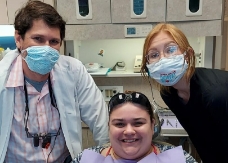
(135, 97)
(37, 10)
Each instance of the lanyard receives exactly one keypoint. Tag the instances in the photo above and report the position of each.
(38, 136)
(53, 101)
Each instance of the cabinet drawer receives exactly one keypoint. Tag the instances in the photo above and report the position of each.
(185, 10)
(200, 28)
(115, 31)
(153, 11)
(95, 11)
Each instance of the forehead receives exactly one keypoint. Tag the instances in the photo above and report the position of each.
(39, 27)
(161, 39)
(129, 110)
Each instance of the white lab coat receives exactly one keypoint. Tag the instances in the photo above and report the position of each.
(77, 96)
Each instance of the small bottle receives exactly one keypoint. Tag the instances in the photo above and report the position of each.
(1, 53)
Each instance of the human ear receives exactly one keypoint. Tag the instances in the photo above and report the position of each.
(18, 39)
(152, 123)
(189, 51)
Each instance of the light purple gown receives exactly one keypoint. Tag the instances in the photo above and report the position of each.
(172, 155)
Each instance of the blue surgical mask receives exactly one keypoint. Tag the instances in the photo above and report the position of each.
(168, 71)
(41, 59)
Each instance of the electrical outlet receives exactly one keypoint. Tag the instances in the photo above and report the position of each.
(198, 57)
(109, 91)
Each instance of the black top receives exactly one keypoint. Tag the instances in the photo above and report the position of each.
(205, 116)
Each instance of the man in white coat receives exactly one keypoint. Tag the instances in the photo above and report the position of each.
(44, 96)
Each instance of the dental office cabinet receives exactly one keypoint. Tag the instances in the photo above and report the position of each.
(89, 20)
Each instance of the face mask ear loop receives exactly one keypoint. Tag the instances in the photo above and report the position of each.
(23, 53)
(185, 58)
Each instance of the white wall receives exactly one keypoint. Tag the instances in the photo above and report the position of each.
(207, 49)
(6, 30)
(77, 45)
(69, 48)
(116, 50)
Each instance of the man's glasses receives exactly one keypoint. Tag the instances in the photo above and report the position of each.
(154, 56)
(134, 97)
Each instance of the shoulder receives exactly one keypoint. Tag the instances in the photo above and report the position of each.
(97, 149)
(71, 68)
(210, 76)
(165, 146)
(162, 146)
(68, 63)
(213, 85)
(7, 60)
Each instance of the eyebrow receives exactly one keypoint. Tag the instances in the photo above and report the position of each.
(39, 35)
(164, 45)
(134, 119)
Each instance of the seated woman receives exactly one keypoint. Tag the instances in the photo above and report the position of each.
(131, 128)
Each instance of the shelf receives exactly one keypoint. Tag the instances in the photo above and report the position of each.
(126, 73)
(174, 135)
(102, 72)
